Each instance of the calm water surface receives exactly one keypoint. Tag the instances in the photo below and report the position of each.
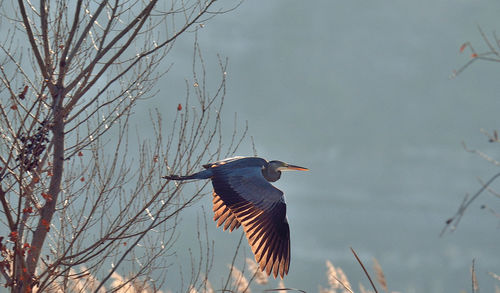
(360, 93)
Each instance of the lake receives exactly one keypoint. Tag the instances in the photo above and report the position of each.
(360, 92)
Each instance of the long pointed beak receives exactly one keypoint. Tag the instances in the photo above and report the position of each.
(293, 167)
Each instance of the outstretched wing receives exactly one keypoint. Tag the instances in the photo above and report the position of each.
(260, 208)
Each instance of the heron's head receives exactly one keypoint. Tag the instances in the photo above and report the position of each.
(272, 172)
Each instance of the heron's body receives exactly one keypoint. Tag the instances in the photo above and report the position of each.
(244, 197)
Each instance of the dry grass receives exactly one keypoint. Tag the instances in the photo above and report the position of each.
(87, 283)
(337, 279)
(380, 275)
(475, 285)
(338, 282)
(259, 276)
(240, 282)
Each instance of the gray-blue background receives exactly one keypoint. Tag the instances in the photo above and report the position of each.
(359, 92)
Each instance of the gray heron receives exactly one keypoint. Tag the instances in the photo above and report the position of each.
(244, 196)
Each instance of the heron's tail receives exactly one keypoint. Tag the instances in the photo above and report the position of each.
(205, 174)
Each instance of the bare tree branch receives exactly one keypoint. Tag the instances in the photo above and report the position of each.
(492, 54)
(81, 196)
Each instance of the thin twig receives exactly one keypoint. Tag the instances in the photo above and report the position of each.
(233, 261)
(364, 269)
(465, 204)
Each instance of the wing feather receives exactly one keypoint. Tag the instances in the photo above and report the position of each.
(223, 215)
(259, 207)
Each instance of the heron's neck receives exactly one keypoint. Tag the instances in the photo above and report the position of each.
(271, 174)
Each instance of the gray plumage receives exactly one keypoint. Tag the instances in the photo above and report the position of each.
(243, 195)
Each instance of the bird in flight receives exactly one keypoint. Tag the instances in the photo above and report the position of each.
(244, 196)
